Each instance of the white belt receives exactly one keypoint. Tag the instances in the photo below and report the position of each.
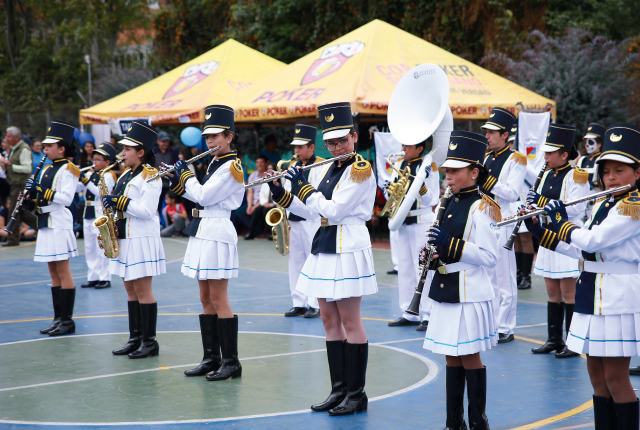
(50, 208)
(211, 213)
(93, 203)
(350, 220)
(455, 267)
(620, 268)
(418, 212)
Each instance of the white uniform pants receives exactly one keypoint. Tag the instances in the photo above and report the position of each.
(393, 239)
(97, 263)
(503, 278)
(407, 244)
(301, 237)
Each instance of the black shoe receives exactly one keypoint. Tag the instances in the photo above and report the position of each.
(149, 346)
(10, 244)
(635, 371)
(356, 399)
(55, 296)
(336, 355)
(66, 326)
(103, 284)
(249, 237)
(389, 272)
(525, 283)
(455, 383)
(555, 316)
(135, 330)
(401, 322)
(477, 394)
(211, 360)
(566, 353)
(527, 264)
(505, 338)
(89, 284)
(627, 415)
(295, 312)
(312, 313)
(423, 326)
(228, 335)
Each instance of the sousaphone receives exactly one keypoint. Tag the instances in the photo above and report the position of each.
(418, 109)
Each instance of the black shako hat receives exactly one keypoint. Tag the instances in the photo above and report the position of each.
(304, 134)
(561, 136)
(621, 143)
(61, 132)
(465, 148)
(336, 120)
(106, 149)
(500, 119)
(218, 118)
(140, 134)
(595, 131)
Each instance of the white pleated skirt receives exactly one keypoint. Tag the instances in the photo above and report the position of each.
(605, 335)
(457, 329)
(554, 265)
(338, 276)
(139, 257)
(210, 259)
(55, 244)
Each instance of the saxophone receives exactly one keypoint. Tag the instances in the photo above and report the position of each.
(277, 219)
(108, 237)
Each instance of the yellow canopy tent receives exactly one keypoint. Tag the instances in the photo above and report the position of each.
(363, 67)
(180, 96)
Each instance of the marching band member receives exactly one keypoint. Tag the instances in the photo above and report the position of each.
(593, 145)
(410, 236)
(560, 182)
(141, 252)
(302, 230)
(339, 270)
(212, 253)
(607, 312)
(98, 264)
(506, 171)
(56, 243)
(462, 322)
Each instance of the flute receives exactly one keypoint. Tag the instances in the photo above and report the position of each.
(171, 169)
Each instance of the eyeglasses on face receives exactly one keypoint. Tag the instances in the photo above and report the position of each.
(341, 143)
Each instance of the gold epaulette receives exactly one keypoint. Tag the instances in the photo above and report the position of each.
(491, 208)
(236, 171)
(75, 170)
(519, 158)
(434, 166)
(360, 170)
(630, 206)
(148, 171)
(115, 177)
(580, 176)
(318, 159)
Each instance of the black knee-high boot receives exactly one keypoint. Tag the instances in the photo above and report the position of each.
(477, 394)
(604, 413)
(135, 330)
(66, 326)
(566, 352)
(527, 264)
(356, 399)
(149, 346)
(228, 335)
(627, 415)
(555, 315)
(55, 296)
(336, 355)
(211, 360)
(456, 379)
(518, 267)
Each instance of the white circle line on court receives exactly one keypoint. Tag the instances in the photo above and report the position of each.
(431, 374)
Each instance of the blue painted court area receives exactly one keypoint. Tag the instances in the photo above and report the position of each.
(60, 382)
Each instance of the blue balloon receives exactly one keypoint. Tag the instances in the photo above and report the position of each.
(76, 133)
(190, 136)
(85, 137)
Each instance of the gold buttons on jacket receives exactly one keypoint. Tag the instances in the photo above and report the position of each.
(551, 188)
(449, 216)
(457, 199)
(580, 281)
(606, 205)
(441, 285)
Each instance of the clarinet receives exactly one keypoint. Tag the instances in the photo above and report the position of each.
(21, 197)
(414, 307)
(516, 228)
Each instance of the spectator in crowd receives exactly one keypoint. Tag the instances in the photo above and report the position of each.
(87, 154)
(167, 155)
(186, 154)
(38, 154)
(254, 208)
(175, 216)
(4, 184)
(26, 232)
(18, 166)
(270, 149)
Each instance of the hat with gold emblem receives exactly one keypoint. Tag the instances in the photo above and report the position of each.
(561, 136)
(218, 118)
(61, 132)
(465, 148)
(106, 149)
(336, 120)
(512, 133)
(499, 119)
(595, 131)
(304, 133)
(621, 143)
(140, 134)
